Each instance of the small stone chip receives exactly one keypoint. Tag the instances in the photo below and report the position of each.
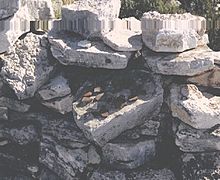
(105, 114)
(88, 94)
(133, 99)
(99, 96)
(97, 89)
(86, 99)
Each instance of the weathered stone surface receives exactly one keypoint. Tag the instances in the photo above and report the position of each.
(90, 18)
(66, 50)
(14, 104)
(126, 100)
(123, 40)
(129, 155)
(148, 174)
(200, 166)
(209, 79)
(172, 32)
(101, 174)
(93, 156)
(26, 66)
(65, 162)
(31, 9)
(189, 104)
(189, 63)
(62, 105)
(20, 135)
(57, 87)
(46, 174)
(3, 113)
(192, 140)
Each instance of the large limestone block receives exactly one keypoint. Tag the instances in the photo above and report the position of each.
(190, 105)
(173, 32)
(127, 100)
(90, 18)
(192, 140)
(123, 40)
(67, 51)
(208, 79)
(189, 63)
(27, 66)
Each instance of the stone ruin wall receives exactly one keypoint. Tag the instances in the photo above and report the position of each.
(123, 105)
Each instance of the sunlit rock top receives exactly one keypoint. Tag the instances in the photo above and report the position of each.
(173, 32)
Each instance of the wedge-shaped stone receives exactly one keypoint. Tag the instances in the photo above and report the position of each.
(188, 63)
(62, 105)
(123, 40)
(127, 100)
(66, 50)
(14, 104)
(192, 140)
(209, 79)
(190, 105)
(173, 32)
(57, 87)
(26, 66)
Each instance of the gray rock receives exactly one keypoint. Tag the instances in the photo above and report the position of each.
(150, 128)
(209, 79)
(26, 66)
(192, 140)
(66, 50)
(14, 104)
(190, 105)
(3, 113)
(123, 40)
(21, 136)
(200, 166)
(150, 174)
(93, 156)
(57, 87)
(189, 63)
(66, 163)
(62, 105)
(107, 175)
(128, 155)
(102, 119)
(8, 8)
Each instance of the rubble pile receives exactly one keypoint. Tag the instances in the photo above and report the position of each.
(103, 98)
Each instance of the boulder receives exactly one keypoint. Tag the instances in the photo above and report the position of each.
(26, 67)
(66, 50)
(192, 140)
(3, 113)
(173, 32)
(198, 109)
(208, 79)
(126, 100)
(123, 40)
(189, 63)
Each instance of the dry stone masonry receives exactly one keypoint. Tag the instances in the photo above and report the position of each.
(97, 97)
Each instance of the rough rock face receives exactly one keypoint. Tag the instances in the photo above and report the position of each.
(148, 174)
(8, 8)
(188, 63)
(200, 110)
(124, 40)
(192, 140)
(90, 19)
(118, 106)
(208, 79)
(200, 166)
(57, 95)
(67, 51)
(173, 32)
(26, 66)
